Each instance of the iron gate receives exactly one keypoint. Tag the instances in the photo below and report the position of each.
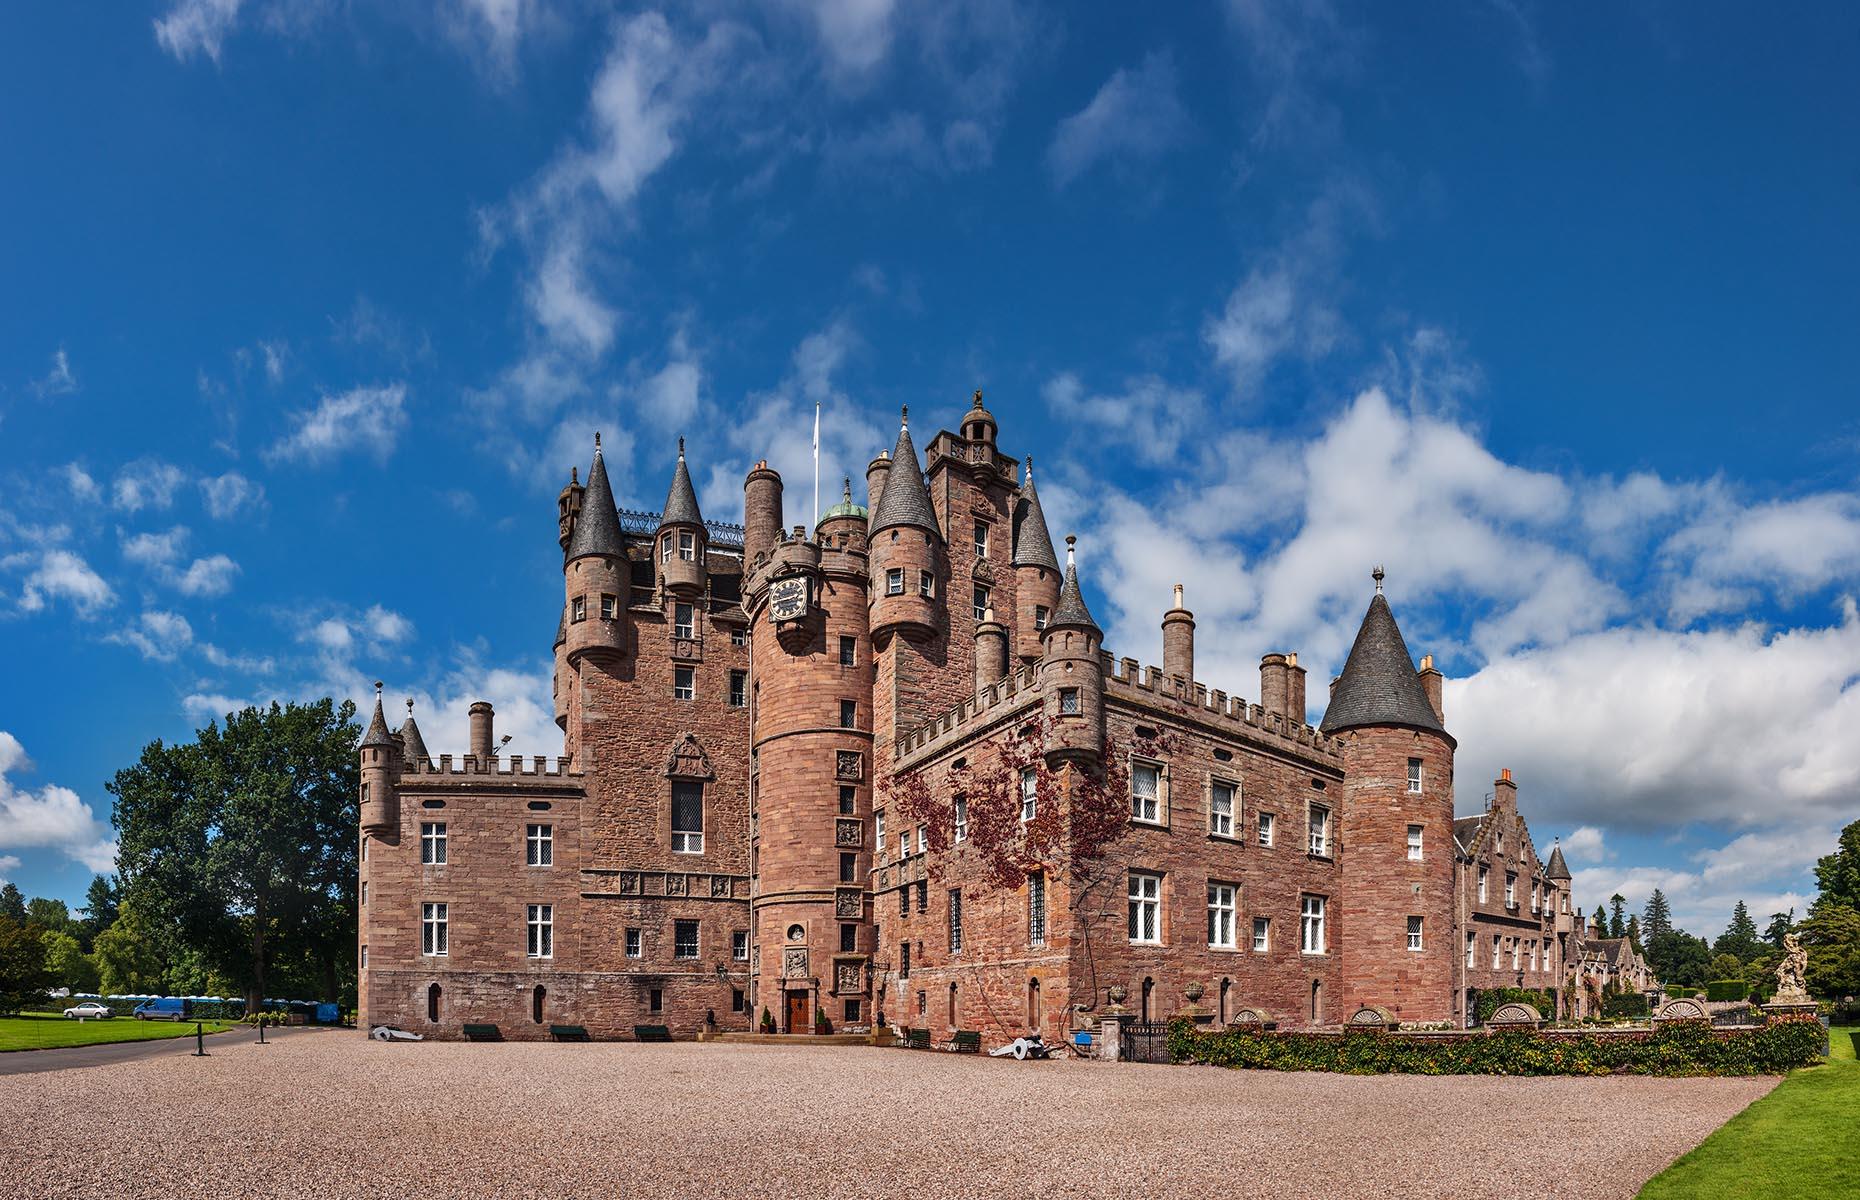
(1144, 1042)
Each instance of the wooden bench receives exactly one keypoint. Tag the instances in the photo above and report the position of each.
(917, 1039)
(569, 1033)
(966, 1041)
(483, 1033)
(652, 1033)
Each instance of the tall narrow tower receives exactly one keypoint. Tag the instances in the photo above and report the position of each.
(909, 574)
(1395, 917)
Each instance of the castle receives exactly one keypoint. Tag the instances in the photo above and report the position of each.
(884, 767)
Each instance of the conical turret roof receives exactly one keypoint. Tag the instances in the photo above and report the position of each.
(1556, 868)
(905, 500)
(1379, 685)
(411, 743)
(681, 506)
(1071, 610)
(597, 529)
(561, 629)
(1033, 545)
(377, 733)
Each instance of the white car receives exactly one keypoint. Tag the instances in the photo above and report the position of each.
(90, 1010)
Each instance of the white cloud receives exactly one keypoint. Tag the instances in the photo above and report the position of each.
(1734, 552)
(196, 26)
(82, 486)
(52, 818)
(146, 483)
(254, 665)
(1149, 416)
(229, 494)
(1586, 844)
(154, 550)
(332, 635)
(210, 576)
(274, 353)
(201, 706)
(385, 625)
(856, 34)
(493, 27)
(1136, 115)
(157, 635)
(63, 575)
(366, 420)
(161, 553)
(60, 380)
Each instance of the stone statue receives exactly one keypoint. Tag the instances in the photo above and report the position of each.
(1790, 988)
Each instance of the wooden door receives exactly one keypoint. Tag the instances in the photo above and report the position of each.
(797, 1013)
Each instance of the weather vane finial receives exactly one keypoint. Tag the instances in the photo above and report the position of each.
(904, 416)
(1071, 541)
(1377, 575)
(978, 397)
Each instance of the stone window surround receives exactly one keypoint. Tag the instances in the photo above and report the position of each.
(1313, 907)
(1143, 894)
(1236, 809)
(1224, 900)
(1161, 819)
(540, 921)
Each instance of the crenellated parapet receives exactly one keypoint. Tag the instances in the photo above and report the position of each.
(470, 766)
(1130, 682)
(1004, 700)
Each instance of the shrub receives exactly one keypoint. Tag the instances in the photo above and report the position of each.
(1727, 989)
(1678, 991)
(1491, 1001)
(1625, 1004)
(1682, 1048)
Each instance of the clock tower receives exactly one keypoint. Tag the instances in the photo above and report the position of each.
(812, 937)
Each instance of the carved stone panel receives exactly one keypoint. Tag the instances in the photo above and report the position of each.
(688, 760)
(674, 885)
(848, 977)
(720, 886)
(848, 904)
(848, 764)
(849, 833)
(629, 883)
(794, 962)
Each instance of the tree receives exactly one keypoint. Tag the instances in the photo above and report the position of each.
(12, 903)
(1657, 922)
(1617, 903)
(100, 906)
(128, 955)
(69, 965)
(1727, 966)
(1838, 874)
(1678, 957)
(242, 843)
(1739, 938)
(50, 915)
(23, 975)
(1633, 932)
(1780, 924)
(1831, 934)
(1600, 921)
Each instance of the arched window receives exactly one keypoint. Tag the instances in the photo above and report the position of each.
(1317, 1000)
(432, 1002)
(536, 1004)
(1033, 1005)
(1226, 986)
(952, 1006)
(1149, 988)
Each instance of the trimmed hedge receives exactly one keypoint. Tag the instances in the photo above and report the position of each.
(1625, 1004)
(1727, 989)
(1491, 1001)
(1679, 991)
(1681, 1048)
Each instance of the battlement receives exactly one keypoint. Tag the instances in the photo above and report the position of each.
(1131, 682)
(992, 703)
(493, 769)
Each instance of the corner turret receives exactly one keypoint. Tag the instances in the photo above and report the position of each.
(596, 573)
(1036, 572)
(1072, 676)
(906, 547)
(380, 762)
(684, 544)
(412, 745)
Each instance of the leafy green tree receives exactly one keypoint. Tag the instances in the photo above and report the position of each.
(69, 965)
(1727, 966)
(1838, 874)
(1600, 921)
(1617, 904)
(1780, 924)
(1680, 958)
(242, 843)
(50, 915)
(12, 903)
(1831, 935)
(100, 905)
(128, 955)
(1657, 921)
(23, 974)
(1739, 938)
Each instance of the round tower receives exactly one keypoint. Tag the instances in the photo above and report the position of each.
(906, 548)
(876, 472)
(843, 526)
(761, 515)
(978, 424)
(811, 660)
(1036, 572)
(564, 678)
(991, 645)
(1072, 677)
(1178, 632)
(1395, 926)
(595, 573)
(380, 762)
(683, 541)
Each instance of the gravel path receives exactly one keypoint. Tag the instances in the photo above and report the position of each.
(339, 1116)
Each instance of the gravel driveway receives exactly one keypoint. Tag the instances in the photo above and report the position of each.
(338, 1116)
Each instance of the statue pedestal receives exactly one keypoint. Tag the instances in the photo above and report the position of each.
(1792, 1008)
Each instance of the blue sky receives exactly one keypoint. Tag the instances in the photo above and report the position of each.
(311, 307)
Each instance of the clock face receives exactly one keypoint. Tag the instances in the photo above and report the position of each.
(788, 598)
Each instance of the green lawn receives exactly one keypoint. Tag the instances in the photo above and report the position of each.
(38, 1030)
(1797, 1142)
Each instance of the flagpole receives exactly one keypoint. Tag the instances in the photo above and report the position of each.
(816, 462)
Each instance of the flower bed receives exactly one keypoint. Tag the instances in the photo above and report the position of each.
(1679, 1048)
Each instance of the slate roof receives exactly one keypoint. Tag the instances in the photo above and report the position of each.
(681, 506)
(905, 500)
(1033, 545)
(561, 629)
(1557, 868)
(1466, 831)
(411, 743)
(1379, 685)
(597, 529)
(377, 733)
(1071, 610)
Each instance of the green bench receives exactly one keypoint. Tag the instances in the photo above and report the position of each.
(652, 1033)
(483, 1033)
(569, 1033)
(917, 1039)
(966, 1041)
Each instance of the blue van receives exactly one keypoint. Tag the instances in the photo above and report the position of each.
(168, 1008)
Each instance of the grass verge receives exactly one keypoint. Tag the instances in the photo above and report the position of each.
(44, 1030)
(1797, 1142)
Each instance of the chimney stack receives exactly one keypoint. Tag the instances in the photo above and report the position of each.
(1294, 689)
(1431, 680)
(481, 733)
(1274, 679)
(1178, 632)
(990, 650)
(1505, 792)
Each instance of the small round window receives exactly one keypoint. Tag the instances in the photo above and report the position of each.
(796, 933)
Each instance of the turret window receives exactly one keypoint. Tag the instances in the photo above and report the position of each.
(849, 800)
(433, 843)
(849, 868)
(687, 546)
(609, 607)
(687, 817)
(1068, 702)
(1414, 774)
(981, 603)
(1414, 843)
(1414, 935)
(926, 585)
(894, 581)
(665, 548)
(981, 539)
(849, 714)
(684, 683)
(849, 652)
(684, 620)
(578, 609)
(1040, 615)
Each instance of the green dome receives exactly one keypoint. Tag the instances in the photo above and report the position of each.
(845, 508)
